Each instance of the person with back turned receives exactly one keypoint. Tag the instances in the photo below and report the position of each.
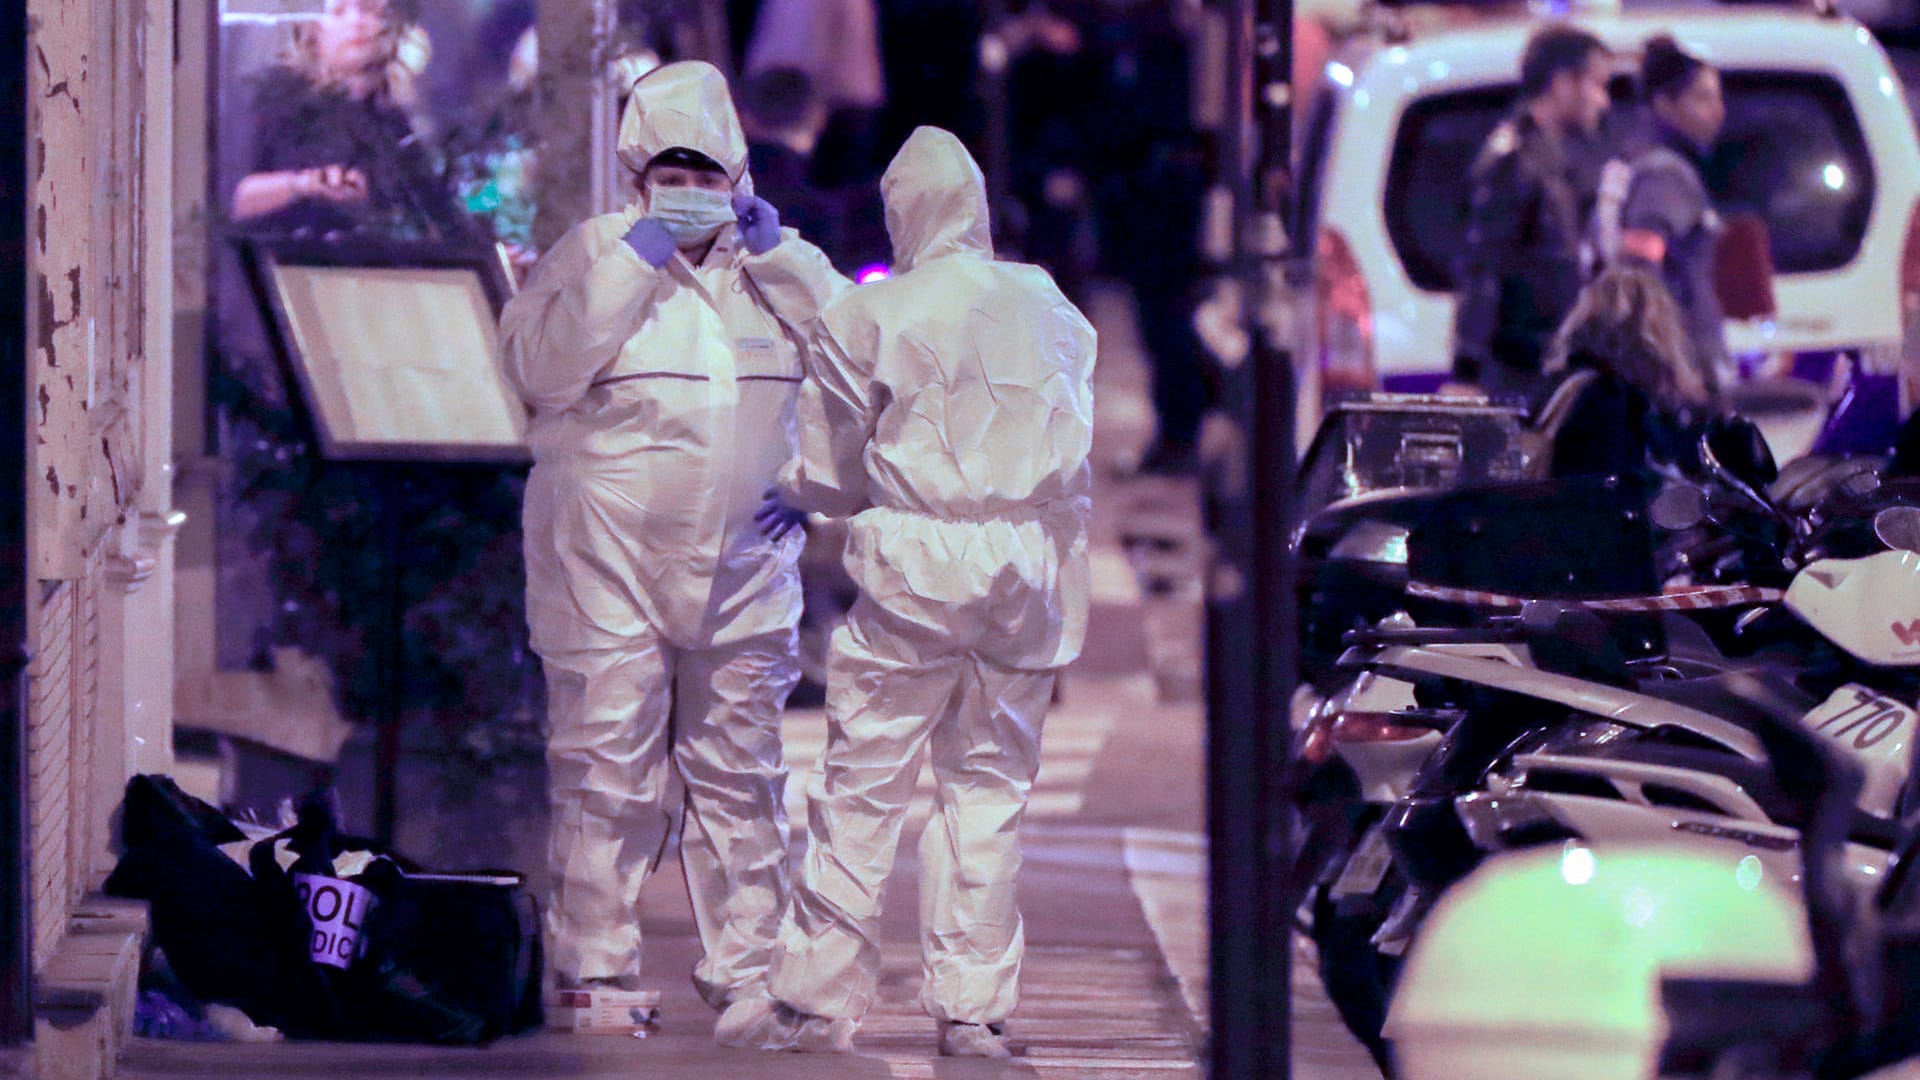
(948, 414)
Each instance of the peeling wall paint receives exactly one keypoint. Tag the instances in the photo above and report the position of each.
(87, 278)
(59, 342)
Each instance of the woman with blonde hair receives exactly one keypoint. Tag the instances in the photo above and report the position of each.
(334, 148)
(1629, 388)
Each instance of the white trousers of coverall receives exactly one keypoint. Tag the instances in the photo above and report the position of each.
(618, 714)
(893, 690)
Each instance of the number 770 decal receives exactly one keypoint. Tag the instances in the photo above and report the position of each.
(1861, 713)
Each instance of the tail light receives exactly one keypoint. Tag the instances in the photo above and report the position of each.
(1343, 316)
(1743, 268)
(1316, 742)
(1372, 727)
(1330, 727)
(1910, 270)
(1910, 314)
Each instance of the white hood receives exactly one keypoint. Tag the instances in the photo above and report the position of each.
(936, 200)
(685, 104)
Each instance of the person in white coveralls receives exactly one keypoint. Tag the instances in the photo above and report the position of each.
(659, 350)
(948, 412)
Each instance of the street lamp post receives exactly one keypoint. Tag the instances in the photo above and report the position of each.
(1250, 609)
(16, 1015)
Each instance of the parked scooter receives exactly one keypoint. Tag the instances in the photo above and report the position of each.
(1618, 960)
(1587, 741)
(1379, 466)
(1375, 731)
(1843, 664)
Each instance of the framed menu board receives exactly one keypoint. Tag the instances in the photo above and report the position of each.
(393, 344)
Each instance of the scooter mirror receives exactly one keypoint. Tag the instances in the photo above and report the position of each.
(1734, 444)
(1679, 507)
(1898, 527)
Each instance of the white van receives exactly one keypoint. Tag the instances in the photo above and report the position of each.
(1818, 132)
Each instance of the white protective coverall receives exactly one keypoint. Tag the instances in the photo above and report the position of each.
(949, 409)
(663, 409)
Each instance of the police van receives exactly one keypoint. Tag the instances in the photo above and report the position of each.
(1818, 137)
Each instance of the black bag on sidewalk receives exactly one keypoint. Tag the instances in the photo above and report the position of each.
(444, 958)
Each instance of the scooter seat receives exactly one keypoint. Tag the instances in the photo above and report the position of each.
(1737, 695)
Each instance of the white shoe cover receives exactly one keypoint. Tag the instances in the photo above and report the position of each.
(973, 1040)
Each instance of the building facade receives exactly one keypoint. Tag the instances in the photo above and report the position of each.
(98, 320)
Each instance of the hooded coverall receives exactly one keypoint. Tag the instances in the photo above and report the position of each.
(949, 410)
(662, 404)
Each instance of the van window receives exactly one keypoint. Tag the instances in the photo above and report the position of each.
(1792, 150)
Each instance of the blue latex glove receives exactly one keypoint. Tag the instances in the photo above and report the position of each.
(775, 518)
(650, 240)
(759, 223)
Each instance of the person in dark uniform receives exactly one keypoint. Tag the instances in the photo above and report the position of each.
(327, 149)
(1521, 268)
(1668, 222)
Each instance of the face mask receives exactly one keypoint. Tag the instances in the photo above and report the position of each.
(691, 215)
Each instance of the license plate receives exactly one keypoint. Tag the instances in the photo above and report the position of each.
(1366, 868)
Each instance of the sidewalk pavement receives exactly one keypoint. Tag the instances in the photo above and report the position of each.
(1098, 998)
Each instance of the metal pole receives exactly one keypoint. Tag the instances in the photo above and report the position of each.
(606, 195)
(572, 85)
(996, 149)
(16, 969)
(716, 42)
(1250, 614)
(393, 657)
